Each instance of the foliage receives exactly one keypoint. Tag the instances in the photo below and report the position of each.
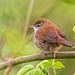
(74, 29)
(25, 69)
(74, 33)
(42, 68)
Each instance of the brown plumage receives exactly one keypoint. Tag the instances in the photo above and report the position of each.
(48, 36)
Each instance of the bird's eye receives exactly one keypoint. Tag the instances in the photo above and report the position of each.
(38, 25)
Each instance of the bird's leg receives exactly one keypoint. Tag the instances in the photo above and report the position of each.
(42, 52)
(55, 53)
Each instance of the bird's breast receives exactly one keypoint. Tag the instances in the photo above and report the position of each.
(40, 44)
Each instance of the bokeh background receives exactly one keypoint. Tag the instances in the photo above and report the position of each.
(16, 37)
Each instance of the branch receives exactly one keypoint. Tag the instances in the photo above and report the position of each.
(24, 59)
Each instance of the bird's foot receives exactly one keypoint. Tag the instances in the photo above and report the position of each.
(54, 55)
(42, 53)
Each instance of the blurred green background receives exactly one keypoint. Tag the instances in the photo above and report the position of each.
(16, 38)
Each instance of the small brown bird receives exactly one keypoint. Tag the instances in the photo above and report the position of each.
(49, 37)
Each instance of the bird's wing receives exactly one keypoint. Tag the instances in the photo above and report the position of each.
(49, 36)
(61, 34)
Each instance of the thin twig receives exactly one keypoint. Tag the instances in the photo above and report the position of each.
(9, 67)
(24, 40)
(28, 17)
(3, 39)
(30, 58)
(2, 42)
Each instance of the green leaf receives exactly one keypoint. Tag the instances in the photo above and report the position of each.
(51, 61)
(34, 72)
(44, 70)
(45, 63)
(54, 71)
(58, 65)
(25, 69)
(73, 29)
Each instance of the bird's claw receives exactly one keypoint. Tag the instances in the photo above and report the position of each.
(42, 53)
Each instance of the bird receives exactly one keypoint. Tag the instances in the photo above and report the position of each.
(48, 37)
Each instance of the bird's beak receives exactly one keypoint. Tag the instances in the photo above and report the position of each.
(31, 26)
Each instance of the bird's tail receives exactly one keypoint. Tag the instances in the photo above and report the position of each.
(67, 43)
